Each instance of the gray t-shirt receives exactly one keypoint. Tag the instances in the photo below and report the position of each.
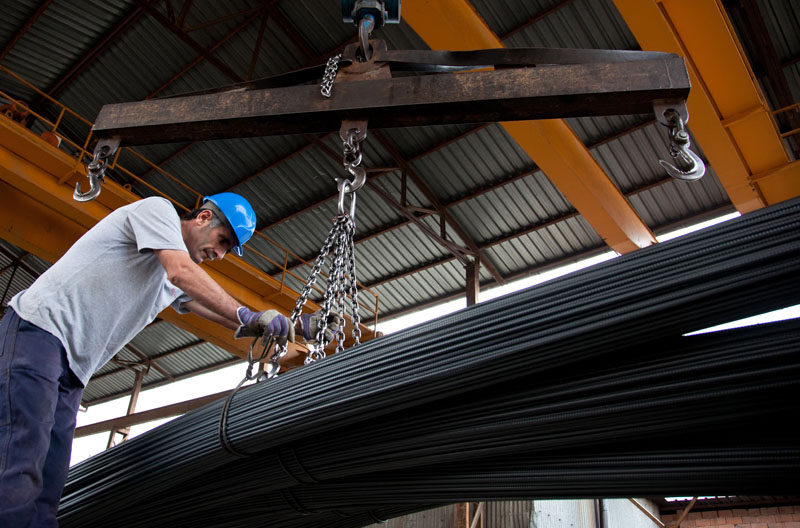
(108, 286)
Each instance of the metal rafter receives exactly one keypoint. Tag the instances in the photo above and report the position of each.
(201, 57)
(90, 56)
(442, 211)
(181, 20)
(162, 355)
(318, 203)
(161, 383)
(516, 234)
(536, 18)
(497, 185)
(189, 41)
(24, 29)
(458, 252)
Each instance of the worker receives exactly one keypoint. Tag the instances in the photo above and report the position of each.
(79, 313)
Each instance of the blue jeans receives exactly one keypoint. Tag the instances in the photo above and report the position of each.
(39, 399)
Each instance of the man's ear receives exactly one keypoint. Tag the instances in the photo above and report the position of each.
(204, 217)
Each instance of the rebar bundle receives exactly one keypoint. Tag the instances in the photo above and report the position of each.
(581, 387)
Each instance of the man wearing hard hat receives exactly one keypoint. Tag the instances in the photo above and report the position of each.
(106, 288)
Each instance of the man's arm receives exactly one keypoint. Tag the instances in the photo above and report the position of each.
(216, 304)
(197, 308)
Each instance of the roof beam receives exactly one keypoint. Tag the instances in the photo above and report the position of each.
(729, 114)
(483, 190)
(24, 29)
(189, 41)
(437, 205)
(551, 144)
(92, 54)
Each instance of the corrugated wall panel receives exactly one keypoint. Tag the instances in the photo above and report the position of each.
(565, 514)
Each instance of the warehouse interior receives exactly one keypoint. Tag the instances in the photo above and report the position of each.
(446, 211)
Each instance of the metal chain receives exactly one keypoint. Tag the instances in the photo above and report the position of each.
(354, 285)
(342, 280)
(331, 68)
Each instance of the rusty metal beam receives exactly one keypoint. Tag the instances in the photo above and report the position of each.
(335, 196)
(553, 146)
(210, 368)
(473, 281)
(536, 18)
(134, 399)
(150, 361)
(148, 416)
(437, 205)
(235, 31)
(483, 190)
(509, 94)
(181, 19)
(729, 115)
(92, 54)
(257, 48)
(189, 41)
(25, 27)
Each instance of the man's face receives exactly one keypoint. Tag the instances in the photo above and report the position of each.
(205, 242)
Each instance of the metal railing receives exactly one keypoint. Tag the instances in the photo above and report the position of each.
(53, 131)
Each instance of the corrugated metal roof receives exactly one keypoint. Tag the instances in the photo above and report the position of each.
(487, 183)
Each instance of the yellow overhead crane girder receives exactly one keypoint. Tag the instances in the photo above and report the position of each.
(729, 115)
(550, 143)
(39, 214)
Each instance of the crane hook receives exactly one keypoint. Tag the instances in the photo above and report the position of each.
(689, 165)
(96, 170)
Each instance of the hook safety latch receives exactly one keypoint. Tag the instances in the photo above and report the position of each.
(96, 170)
(688, 165)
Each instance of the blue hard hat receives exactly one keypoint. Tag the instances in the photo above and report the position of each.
(238, 213)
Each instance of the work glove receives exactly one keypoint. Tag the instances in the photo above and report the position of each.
(310, 325)
(266, 324)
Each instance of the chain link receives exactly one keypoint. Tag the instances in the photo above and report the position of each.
(331, 68)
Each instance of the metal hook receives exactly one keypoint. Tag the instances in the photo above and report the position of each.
(365, 27)
(689, 165)
(96, 169)
(95, 175)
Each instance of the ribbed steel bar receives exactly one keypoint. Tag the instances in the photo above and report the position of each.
(634, 408)
(303, 427)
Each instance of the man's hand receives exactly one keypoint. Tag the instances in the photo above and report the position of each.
(264, 324)
(310, 324)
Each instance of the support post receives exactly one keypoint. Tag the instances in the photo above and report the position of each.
(125, 431)
(462, 515)
(473, 281)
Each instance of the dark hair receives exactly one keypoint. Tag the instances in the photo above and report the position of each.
(217, 220)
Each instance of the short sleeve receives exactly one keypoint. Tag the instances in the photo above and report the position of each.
(156, 225)
(177, 304)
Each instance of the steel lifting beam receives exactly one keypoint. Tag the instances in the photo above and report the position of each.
(550, 143)
(617, 83)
